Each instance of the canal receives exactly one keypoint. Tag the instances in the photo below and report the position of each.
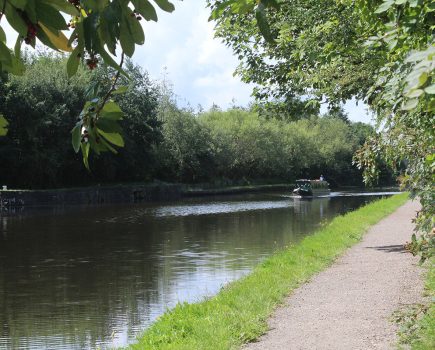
(89, 277)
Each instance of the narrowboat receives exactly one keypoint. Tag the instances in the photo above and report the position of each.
(311, 188)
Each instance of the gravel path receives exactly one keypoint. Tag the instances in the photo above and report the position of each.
(349, 305)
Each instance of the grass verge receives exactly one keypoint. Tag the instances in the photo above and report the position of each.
(240, 311)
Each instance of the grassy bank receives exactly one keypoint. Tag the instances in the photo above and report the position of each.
(239, 312)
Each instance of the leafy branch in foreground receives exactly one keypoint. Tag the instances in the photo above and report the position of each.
(97, 127)
(97, 31)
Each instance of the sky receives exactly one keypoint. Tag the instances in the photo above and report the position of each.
(181, 48)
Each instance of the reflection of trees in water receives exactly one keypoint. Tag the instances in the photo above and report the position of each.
(76, 280)
(73, 279)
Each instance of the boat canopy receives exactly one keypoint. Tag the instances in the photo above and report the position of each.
(313, 183)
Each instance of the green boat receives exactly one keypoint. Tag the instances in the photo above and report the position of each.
(311, 188)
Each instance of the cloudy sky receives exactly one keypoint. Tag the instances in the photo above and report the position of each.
(199, 67)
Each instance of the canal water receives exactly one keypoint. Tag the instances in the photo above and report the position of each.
(89, 277)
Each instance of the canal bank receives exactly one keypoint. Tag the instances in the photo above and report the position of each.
(239, 313)
(122, 194)
(130, 193)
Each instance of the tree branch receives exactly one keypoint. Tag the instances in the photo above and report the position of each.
(113, 86)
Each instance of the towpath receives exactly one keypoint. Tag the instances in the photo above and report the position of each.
(349, 305)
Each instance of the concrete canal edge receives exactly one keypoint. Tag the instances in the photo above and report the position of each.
(238, 314)
(129, 193)
(91, 195)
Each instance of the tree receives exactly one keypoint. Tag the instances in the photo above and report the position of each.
(382, 52)
(98, 31)
(186, 152)
(313, 49)
(289, 108)
(43, 104)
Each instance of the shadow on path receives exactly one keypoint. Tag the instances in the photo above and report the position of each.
(395, 248)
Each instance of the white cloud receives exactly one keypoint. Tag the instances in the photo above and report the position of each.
(199, 66)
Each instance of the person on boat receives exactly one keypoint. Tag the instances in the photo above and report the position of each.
(322, 178)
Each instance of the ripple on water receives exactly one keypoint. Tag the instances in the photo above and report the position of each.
(219, 208)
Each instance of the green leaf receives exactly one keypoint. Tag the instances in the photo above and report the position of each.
(20, 4)
(3, 126)
(73, 62)
(76, 137)
(43, 38)
(400, 2)
(410, 104)
(263, 25)
(126, 39)
(112, 115)
(430, 89)
(385, 6)
(31, 11)
(15, 19)
(423, 78)
(17, 47)
(107, 145)
(165, 5)
(85, 152)
(50, 17)
(111, 107)
(136, 30)
(5, 54)
(57, 38)
(62, 5)
(90, 33)
(430, 159)
(108, 125)
(114, 138)
(111, 111)
(109, 32)
(145, 8)
(2, 35)
(415, 93)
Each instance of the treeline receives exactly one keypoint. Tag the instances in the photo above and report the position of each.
(163, 141)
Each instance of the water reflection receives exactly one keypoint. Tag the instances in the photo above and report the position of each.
(78, 278)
